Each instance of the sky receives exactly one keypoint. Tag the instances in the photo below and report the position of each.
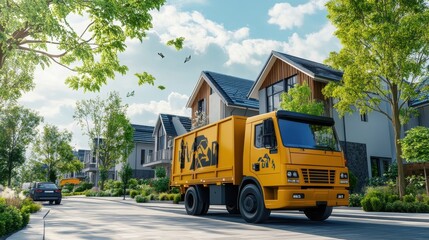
(224, 36)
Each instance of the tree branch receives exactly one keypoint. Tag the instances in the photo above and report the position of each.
(43, 53)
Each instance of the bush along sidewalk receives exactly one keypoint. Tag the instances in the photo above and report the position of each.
(15, 211)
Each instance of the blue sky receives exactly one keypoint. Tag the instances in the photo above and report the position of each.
(229, 37)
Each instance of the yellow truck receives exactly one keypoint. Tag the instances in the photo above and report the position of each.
(277, 160)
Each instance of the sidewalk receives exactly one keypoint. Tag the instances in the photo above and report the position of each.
(34, 229)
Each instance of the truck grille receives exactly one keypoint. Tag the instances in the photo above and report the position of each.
(318, 176)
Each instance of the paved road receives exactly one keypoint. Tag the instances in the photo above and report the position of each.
(113, 218)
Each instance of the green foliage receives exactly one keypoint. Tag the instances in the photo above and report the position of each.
(31, 36)
(353, 181)
(163, 197)
(106, 121)
(376, 204)
(134, 193)
(376, 182)
(177, 43)
(146, 190)
(174, 190)
(355, 200)
(142, 199)
(177, 198)
(380, 41)
(414, 145)
(415, 184)
(161, 184)
(126, 173)
(18, 128)
(153, 196)
(160, 172)
(409, 198)
(53, 148)
(12, 219)
(83, 186)
(69, 187)
(298, 99)
(133, 183)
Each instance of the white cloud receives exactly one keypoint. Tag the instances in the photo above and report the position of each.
(175, 104)
(312, 46)
(288, 16)
(199, 32)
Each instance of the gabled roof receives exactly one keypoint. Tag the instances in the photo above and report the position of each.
(423, 97)
(232, 90)
(143, 133)
(316, 70)
(167, 122)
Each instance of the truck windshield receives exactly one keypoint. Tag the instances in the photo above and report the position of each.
(308, 135)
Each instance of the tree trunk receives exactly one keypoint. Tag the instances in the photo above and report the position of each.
(397, 131)
(426, 179)
(9, 170)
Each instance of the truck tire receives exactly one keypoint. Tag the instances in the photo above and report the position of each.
(252, 206)
(320, 213)
(193, 205)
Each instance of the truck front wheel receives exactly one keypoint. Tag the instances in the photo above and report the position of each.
(318, 214)
(193, 205)
(252, 207)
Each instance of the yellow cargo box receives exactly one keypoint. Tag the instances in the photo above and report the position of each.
(200, 159)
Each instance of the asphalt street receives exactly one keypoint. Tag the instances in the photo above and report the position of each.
(114, 218)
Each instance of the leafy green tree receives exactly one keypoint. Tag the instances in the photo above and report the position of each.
(39, 32)
(126, 173)
(17, 128)
(415, 148)
(52, 148)
(105, 122)
(160, 172)
(298, 99)
(31, 171)
(384, 55)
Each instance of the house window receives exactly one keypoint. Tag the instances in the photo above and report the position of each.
(149, 155)
(161, 137)
(379, 166)
(142, 156)
(364, 117)
(259, 136)
(202, 105)
(274, 92)
(211, 91)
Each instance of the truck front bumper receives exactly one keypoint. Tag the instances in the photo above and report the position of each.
(287, 198)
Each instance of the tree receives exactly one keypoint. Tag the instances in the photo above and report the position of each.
(415, 148)
(109, 130)
(52, 148)
(17, 127)
(39, 32)
(126, 173)
(298, 99)
(384, 55)
(31, 171)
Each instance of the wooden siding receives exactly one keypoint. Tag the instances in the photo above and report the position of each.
(203, 93)
(281, 70)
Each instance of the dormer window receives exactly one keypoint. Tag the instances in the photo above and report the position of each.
(202, 105)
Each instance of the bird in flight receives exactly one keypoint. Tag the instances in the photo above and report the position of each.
(130, 94)
(187, 59)
(160, 54)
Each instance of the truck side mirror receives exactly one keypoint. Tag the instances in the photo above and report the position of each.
(269, 136)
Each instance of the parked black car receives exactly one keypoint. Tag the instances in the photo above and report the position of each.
(46, 191)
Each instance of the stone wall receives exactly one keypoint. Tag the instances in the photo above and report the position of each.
(357, 162)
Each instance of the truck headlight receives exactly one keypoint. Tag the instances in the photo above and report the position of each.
(292, 176)
(344, 175)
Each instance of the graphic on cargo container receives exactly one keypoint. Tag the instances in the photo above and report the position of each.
(202, 155)
(265, 161)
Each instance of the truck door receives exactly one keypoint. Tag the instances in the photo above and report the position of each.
(264, 159)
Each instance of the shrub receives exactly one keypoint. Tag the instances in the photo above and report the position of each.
(153, 196)
(171, 196)
(415, 184)
(146, 189)
(174, 190)
(160, 172)
(163, 196)
(353, 181)
(133, 193)
(410, 207)
(376, 204)
(177, 198)
(422, 207)
(409, 198)
(398, 206)
(376, 182)
(392, 198)
(145, 181)
(12, 219)
(68, 186)
(161, 184)
(142, 199)
(83, 186)
(366, 204)
(389, 207)
(355, 200)
(65, 190)
(25, 219)
(133, 183)
(117, 192)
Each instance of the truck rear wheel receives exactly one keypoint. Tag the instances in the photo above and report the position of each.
(252, 207)
(193, 205)
(318, 214)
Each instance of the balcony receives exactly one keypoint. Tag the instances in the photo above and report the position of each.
(90, 167)
(161, 156)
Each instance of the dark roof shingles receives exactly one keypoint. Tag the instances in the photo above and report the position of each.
(167, 121)
(143, 133)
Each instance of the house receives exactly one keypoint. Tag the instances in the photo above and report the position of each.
(167, 127)
(90, 168)
(220, 96)
(141, 154)
(366, 139)
(80, 155)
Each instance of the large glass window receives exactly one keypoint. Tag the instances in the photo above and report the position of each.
(274, 92)
(306, 135)
(160, 139)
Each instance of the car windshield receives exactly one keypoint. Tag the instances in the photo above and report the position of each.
(47, 185)
(308, 135)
